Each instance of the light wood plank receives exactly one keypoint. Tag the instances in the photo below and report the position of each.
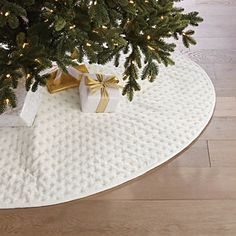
(220, 3)
(225, 106)
(210, 70)
(217, 26)
(225, 75)
(211, 9)
(225, 92)
(220, 43)
(124, 218)
(178, 183)
(205, 42)
(194, 156)
(211, 56)
(210, 33)
(190, 3)
(220, 128)
(225, 79)
(223, 153)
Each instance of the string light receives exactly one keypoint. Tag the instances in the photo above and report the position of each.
(162, 17)
(104, 27)
(7, 101)
(72, 27)
(88, 44)
(28, 76)
(148, 37)
(37, 60)
(151, 48)
(8, 76)
(7, 13)
(24, 45)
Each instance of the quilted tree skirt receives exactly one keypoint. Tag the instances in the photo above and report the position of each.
(68, 155)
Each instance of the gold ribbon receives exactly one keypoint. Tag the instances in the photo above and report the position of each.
(102, 83)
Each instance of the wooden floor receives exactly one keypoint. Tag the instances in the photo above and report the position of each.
(195, 194)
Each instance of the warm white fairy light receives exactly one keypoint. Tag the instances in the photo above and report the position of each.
(37, 60)
(88, 44)
(7, 13)
(25, 45)
(72, 27)
(7, 101)
(151, 48)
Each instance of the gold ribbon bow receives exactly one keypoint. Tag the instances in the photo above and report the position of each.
(102, 83)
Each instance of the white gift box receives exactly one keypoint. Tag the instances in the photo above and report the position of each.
(28, 102)
(27, 107)
(89, 101)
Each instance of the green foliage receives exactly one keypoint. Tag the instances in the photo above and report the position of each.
(35, 33)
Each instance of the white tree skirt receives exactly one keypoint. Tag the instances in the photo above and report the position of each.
(68, 155)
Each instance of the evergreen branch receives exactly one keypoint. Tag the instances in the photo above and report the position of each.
(33, 33)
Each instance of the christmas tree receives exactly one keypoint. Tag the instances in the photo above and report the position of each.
(35, 33)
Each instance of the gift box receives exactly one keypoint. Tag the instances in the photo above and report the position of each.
(27, 106)
(99, 93)
(28, 102)
(60, 81)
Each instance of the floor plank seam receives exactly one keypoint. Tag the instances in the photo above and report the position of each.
(209, 155)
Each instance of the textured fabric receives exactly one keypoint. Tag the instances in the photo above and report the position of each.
(67, 154)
